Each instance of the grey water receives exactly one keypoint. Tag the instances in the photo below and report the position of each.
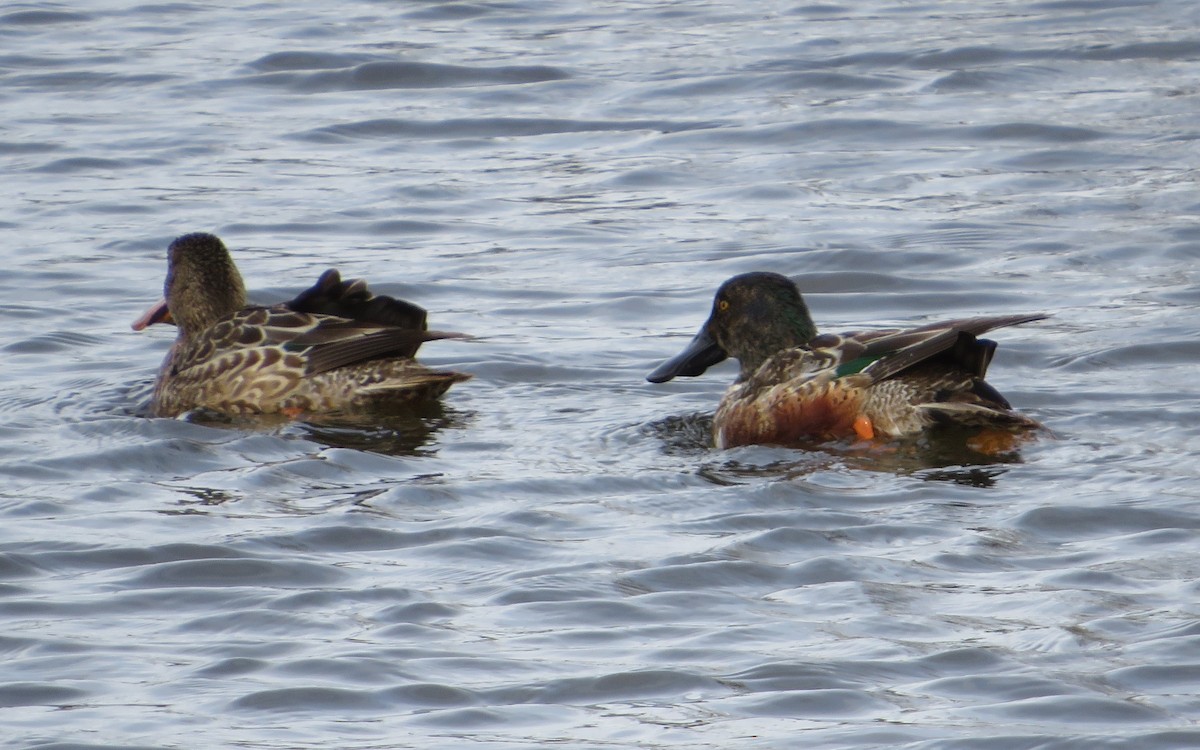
(555, 555)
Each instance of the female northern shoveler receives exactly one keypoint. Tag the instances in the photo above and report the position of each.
(335, 347)
(796, 384)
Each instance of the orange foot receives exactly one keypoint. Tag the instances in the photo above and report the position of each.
(863, 428)
(291, 412)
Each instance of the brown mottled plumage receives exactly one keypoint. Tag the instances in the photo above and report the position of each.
(335, 347)
(796, 384)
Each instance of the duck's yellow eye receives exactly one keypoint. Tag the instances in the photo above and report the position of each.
(723, 305)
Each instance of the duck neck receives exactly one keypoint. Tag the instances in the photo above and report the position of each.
(773, 334)
(203, 301)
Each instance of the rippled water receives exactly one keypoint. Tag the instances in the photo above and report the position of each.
(555, 555)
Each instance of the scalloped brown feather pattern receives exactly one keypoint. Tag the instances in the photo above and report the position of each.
(335, 347)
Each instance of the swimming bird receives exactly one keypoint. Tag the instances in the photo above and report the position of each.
(336, 347)
(796, 384)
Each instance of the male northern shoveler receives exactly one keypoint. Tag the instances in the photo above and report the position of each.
(336, 347)
(796, 384)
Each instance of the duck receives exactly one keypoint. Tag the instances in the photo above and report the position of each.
(796, 385)
(334, 348)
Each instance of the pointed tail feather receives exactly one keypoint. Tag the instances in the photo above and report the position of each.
(425, 385)
(977, 415)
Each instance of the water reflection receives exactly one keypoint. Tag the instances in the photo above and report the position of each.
(971, 476)
(406, 430)
(205, 496)
(401, 433)
(945, 454)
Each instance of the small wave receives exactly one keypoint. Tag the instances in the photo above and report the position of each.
(492, 127)
(404, 75)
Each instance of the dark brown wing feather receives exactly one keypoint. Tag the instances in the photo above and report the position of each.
(957, 338)
(355, 325)
(358, 345)
(979, 325)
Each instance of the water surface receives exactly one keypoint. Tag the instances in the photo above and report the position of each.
(555, 554)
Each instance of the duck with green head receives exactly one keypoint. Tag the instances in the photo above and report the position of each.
(797, 385)
(336, 347)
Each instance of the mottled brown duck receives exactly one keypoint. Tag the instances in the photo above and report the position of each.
(334, 348)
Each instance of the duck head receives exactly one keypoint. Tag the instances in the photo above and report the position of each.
(754, 315)
(203, 285)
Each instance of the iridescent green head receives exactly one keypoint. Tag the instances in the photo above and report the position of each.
(754, 315)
